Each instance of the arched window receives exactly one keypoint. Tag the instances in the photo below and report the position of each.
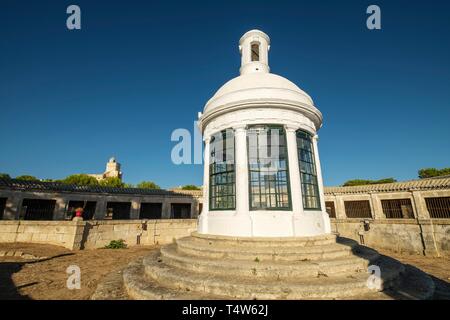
(222, 189)
(308, 172)
(255, 51)
(268, 168)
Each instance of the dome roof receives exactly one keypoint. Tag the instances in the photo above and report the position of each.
(258, 87)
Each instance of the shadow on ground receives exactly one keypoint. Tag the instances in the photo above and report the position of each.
(411, 284)
(8, 289)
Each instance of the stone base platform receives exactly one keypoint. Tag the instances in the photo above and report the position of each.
(221, 267)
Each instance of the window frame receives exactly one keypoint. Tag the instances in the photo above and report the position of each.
(211, 175)
(313, 176)
(288, 182)
(258, 46)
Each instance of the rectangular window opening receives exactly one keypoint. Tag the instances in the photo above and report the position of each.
(397, 208)
(308, 172)
(222, 188)
(268, 168)
(358, 209)
(255, 51)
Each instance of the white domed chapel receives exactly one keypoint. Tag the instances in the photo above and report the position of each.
(264, 232)
(262, 175)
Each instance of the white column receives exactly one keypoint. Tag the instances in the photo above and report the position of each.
(203, 218)
(241, 165)
(135, 209)
(326, 218)
(100, 209)
(166, 209)
(377, 209)
(319, 172)
(420, 206)
(13, 207)
(60, 209)
(294, 170)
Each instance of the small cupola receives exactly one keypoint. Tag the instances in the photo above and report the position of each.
(254, 47)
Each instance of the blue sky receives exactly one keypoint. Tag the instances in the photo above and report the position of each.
(137, 70)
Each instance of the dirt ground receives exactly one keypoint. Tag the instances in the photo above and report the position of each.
(437, 268)
(46, 278)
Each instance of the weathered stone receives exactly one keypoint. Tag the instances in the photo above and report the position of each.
(170, 274)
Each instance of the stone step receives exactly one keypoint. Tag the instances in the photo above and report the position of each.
(290, 253)
(267, 269)
(139, 287)
(207, 283)
(255, 242)
(411, 284)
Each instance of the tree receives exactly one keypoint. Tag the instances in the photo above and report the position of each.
(361, 182)
(27, 178)
(190, 187)
(112, 182)
(81, 180)
(385, 180)
(147, 185)
(355, 182)
(5, 176)
(433, 172)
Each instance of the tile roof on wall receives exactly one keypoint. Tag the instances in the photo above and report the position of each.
(23, 185)
(421, 184)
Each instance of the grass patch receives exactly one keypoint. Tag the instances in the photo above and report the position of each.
(116, 244)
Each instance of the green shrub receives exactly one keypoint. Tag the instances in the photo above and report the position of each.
(81, 180)
(361, 182)
(433, 172)
(116, 244)
(147, 185)
(113, 182)
(27, 178)
(190, 187)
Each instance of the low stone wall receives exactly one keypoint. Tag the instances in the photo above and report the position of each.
(430, 237)
(66, 234)
(137, 232)
(412, 236)
(96, 234)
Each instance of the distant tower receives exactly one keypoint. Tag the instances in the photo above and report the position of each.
(113, 169)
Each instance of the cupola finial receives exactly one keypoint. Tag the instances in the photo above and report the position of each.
(254, 46)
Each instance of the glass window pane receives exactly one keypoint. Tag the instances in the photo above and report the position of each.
(308, 173)
(268, 173)
(221, 171)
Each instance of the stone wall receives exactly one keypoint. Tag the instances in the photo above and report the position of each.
(14, 203)
(96, 234)
(67, 234)
(430, 237)
(135, 232)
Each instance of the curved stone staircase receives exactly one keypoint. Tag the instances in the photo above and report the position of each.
(220, 267)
